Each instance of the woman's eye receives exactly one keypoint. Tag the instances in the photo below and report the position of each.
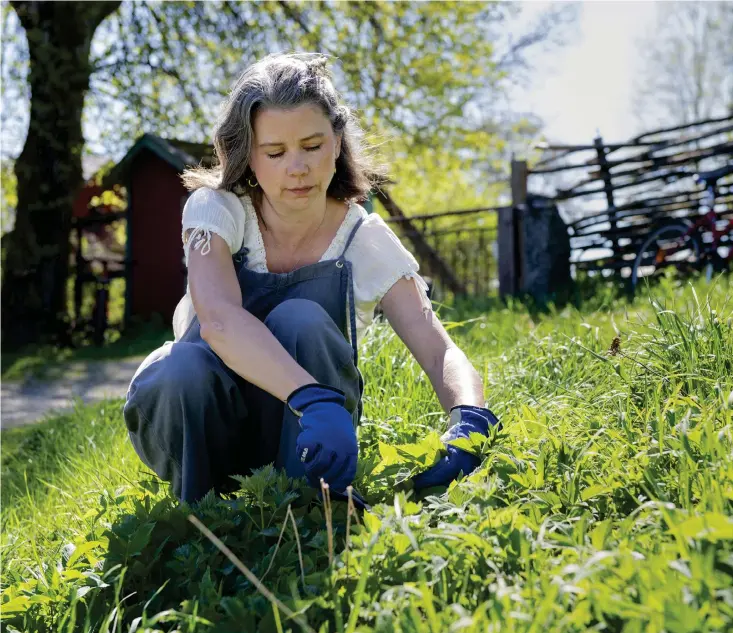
(310, 149)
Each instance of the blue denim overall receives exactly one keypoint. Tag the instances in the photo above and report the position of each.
(195, 422)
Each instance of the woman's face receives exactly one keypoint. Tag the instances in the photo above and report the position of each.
(294, 149)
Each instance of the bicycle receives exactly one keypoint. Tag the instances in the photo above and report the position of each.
(681, 244)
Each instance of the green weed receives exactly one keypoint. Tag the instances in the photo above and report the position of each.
(605, 503)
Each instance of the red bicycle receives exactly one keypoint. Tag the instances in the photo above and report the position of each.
(706, 242)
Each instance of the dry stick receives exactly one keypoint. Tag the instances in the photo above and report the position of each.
(349, 508)
(277, 546)
(297, 542)
(329, 526)
(352, 507)
(250, 576)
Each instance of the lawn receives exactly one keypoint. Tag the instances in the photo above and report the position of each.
(606, 503)
(48, 362)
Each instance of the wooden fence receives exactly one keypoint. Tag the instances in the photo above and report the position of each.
(616, 193)
(471, 252)
(457, 250)
(611, 194)
(621, 192)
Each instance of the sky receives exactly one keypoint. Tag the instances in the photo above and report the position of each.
(587, 85)
(584, 86)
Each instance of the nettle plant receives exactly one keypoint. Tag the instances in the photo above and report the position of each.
(605, 503)
(275, 527)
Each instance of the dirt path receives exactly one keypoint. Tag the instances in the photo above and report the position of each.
(30, 401)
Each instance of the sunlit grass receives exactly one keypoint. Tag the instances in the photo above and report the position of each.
(605, 503)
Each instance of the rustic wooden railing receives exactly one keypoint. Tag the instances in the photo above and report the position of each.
(622, 190)
(457, 250)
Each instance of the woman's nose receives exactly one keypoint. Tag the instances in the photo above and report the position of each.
(298, 166)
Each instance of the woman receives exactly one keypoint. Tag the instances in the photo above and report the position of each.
(284, 272)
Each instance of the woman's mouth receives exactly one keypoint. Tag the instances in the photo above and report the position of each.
(302, 191)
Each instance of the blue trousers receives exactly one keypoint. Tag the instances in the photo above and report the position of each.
(195, 422)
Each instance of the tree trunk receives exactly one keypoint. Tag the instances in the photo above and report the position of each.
(49, 169)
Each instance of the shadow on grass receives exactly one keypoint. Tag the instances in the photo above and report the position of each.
(274, 526)
(585, 293)
(47, 362)
(134, 539)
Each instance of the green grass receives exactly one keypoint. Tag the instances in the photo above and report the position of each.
(48, 362)
(606, 503)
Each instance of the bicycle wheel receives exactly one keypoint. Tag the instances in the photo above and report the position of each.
(669, 245)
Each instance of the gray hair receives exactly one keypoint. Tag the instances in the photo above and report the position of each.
(285, 81)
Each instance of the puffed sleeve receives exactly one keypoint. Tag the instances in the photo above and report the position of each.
(380, 260)
(210, 211)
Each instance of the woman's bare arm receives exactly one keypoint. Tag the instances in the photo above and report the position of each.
(240, 339)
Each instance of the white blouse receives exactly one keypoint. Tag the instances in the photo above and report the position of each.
(377, 255)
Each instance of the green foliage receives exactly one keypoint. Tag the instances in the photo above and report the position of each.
(435, 179)
(427, 81)
(605, 503)
(8, 195)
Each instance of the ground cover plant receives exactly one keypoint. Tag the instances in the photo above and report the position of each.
(605, 503)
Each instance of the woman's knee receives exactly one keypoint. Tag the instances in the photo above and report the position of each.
(308, 332)
(182, 372)
(298, 317)
(186, 367)
(165, 402)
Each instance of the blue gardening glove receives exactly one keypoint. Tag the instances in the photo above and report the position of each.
(327, 445)
(466, 419)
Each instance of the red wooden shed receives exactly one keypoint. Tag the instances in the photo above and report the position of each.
(155, 273)
(153, 268)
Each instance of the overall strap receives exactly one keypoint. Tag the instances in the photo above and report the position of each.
(351, 236)
(352, 312)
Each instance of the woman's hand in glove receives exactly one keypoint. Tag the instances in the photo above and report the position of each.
(327, 444)
(472, 420)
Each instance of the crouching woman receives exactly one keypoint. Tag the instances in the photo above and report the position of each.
(285, 269)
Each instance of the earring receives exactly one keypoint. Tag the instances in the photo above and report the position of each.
(253, 185)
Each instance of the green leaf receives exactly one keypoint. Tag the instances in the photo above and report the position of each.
(80, 551)
(139, 539)
(594, 491)
(401, 542)
(19, 603)
(419, 456)
(600, 534)
(473, 444)
(72, 574)
(372, 522)
(711, 526)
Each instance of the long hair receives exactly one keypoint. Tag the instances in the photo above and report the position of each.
(285, 81)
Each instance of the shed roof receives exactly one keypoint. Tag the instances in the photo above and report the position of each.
(177, 153)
